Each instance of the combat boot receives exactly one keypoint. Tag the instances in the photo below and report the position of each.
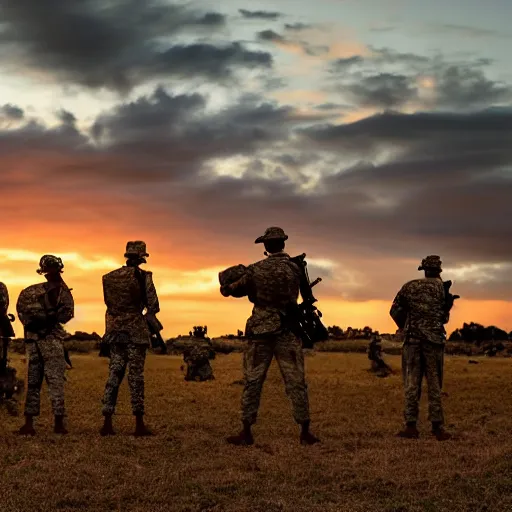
(28, 428)
(59, 427)
(306, 437)
(107, 429)
(410, 431)
(140, 428)
(244, 438)
(439, 432)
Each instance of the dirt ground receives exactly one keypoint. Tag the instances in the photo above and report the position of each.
(187, 466)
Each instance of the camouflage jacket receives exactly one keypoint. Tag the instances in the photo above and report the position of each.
(4, 299)
(270, 284)
(198, 353)
(420, 307)
(42, 316)
(124, 301)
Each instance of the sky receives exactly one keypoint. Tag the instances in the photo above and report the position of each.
(374, 132)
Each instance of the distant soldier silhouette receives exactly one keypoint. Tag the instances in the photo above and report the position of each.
(43, 309)
(420, 310)
(271, 285)
(378, 365)
(126, 290)
(197, 359)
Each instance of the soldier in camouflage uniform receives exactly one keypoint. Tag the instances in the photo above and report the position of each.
(271, 285)
(127, 292)
(378, 365)
(8, 381)
(197, 359)
(420, 311)
(43, 309)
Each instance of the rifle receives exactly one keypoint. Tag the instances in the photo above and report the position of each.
(304, 318)
(152, 321)
(155, 327)
(449, 297)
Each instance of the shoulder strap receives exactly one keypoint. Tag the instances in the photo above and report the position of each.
(141, 278)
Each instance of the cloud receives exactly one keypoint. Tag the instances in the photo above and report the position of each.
(466, 31)
(415, 81)
(385, 90)
(262, 15)
(120, 45)
(298, 26)
(393, 186)
(11, 112)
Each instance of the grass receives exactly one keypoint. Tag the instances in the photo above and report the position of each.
(187, 466)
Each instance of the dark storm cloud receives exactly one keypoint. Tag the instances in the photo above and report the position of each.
(385, 90)
(262, 15)
(11, 112)
(297, 26)
(274, 37)
(117, 45)
(460, 87)
(446, 188)
(344, 64)
(455, 86)
(270, 35)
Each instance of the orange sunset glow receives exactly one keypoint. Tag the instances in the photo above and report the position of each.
(369, 152)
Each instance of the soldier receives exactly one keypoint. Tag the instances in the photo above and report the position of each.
(127, 292)
(378, 365)
(420, 311)
(8, 380)
(271, 285)
(42, 309)
(197, 359)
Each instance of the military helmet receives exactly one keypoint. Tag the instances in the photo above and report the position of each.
(432, 262)
(136, 248)
(272, 233)
(49, 262)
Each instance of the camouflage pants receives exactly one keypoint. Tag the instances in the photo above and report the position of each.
(287, 349)
(418, 360)
(121, 356)
(45, 360)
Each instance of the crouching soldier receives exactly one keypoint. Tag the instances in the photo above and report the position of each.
(43, 309)
(378, 365)
(197, 359)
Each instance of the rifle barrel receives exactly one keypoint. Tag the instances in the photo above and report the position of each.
(316, 281)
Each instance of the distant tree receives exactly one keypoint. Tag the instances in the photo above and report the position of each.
(335, 331)
(85, 336)
(367, 331)
(478, 334)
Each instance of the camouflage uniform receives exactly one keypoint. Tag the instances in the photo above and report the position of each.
(4, 298)
(126, 330)
(197, 359)
(420, 304)
(270, 284)
(44, 345)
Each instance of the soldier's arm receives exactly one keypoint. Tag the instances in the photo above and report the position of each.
(399, 308)
(153, 304)
(4, 299)
(239, 288)
(66, 308)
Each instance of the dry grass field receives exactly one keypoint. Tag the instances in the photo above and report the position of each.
(187, 466)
